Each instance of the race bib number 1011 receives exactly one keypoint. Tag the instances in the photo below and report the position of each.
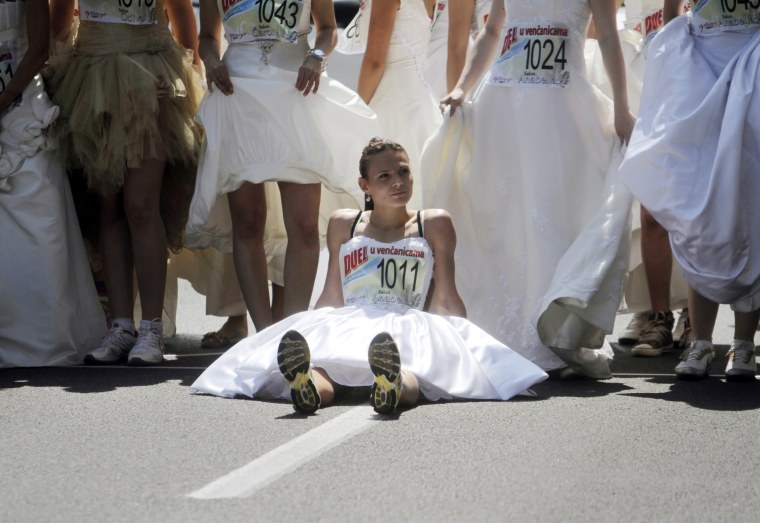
(533, 55)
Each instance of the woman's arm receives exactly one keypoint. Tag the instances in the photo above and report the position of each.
(338, 232)
(460, 16)
(182, 19)
(440, 234)
(38, 31)
(381, 22)
(612, 54)
(480, 57)
(671, 9)
(208, 47)
(323, 14)
(61, 17)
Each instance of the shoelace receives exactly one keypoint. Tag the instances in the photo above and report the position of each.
(742, 355)
(148, 339)
(694, 354)
(117, 337)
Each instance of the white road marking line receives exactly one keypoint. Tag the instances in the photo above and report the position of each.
(262, 471)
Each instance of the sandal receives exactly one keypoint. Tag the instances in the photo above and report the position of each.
(217, 340)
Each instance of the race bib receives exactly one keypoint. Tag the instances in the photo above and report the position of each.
(353, 39)
(254, 20)
(533, 55)
(10, 56)
(718, 15)
(384, 276)
(132, 12)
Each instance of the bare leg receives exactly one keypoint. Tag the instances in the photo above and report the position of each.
(235, 327)
(116, 256)
(248, 210)
(746, 325)
(658, 261)
(300, 208)
(410, 392)
(142, 195)
(325, 386)
(702, 313)
(278, 302)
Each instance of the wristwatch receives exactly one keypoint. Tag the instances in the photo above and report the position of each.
(319, 54)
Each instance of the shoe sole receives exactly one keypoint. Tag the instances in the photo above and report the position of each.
(92, 360)
(385, 363)
(293, 359)
(139, 362)
(735, 378)
(628, 341)
(692, 376)
(650, 352)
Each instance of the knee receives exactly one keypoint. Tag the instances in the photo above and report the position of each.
(249, 224)
(304, 232)
(141, 212)
(649, 224)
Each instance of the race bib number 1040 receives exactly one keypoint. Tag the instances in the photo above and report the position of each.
(132, 12)
(716, 15)
(533, 55)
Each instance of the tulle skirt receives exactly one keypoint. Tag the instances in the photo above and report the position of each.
(129, 93)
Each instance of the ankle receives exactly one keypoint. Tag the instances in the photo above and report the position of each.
(125, 324)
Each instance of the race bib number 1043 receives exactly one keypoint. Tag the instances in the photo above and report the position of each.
(533, 55)
(251, 20)
(716, 15)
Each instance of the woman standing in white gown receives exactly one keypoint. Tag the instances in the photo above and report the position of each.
(394, 37)
(381, 265)
(271, 115)
(695, 155)
(49, 310)
(543, 218)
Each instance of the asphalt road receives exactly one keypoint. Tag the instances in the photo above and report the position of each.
(132, 444)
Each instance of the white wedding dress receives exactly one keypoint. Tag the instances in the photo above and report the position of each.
(529, 174)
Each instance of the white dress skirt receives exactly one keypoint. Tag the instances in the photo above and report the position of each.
(451, 357)
(267, 131)
(49, 309)
(643, 18)
(529, 175)
(694, 156)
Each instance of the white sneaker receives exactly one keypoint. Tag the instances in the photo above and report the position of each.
(113, 348)
(696, 360)
(149, 349)
(741, 361)
(632, 332)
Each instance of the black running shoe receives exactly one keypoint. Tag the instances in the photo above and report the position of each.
(293, 359)
(385, 362)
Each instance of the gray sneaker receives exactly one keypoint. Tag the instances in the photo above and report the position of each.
(632, 332)
(149, 349)
(113, 348)
(695, 360)
(741, 361)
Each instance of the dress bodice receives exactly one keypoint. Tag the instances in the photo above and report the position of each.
(572, 14)
(393, 276)
(13, 23)
(409, 39)
(644, 16)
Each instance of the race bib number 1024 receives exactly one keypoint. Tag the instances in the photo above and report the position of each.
(533, 55)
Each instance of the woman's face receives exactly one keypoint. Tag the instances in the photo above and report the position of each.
(389, 179)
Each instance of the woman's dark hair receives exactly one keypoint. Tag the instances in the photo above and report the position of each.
(375, 146)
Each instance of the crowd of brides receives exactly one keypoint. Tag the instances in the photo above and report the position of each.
(567, 168)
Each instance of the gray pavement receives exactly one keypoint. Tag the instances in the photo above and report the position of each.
(122, 444)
